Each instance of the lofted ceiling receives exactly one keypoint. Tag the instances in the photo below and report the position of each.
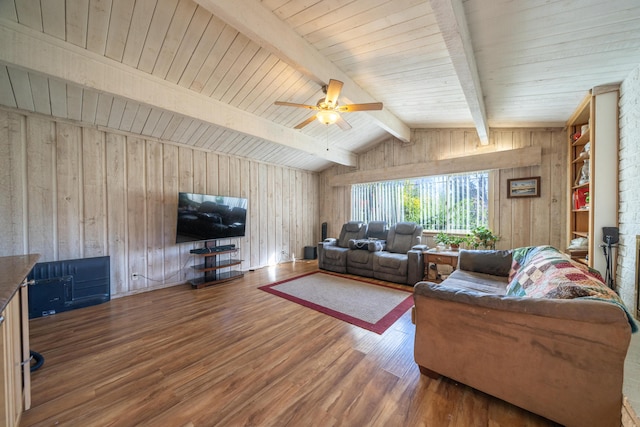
(206, 73)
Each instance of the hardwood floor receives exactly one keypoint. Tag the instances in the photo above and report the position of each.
(232, 355)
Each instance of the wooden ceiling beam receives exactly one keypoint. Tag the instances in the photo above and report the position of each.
(516, 158)
(453, 26)
(262, 26)
(45, 55)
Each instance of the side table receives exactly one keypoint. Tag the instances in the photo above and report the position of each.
(434, 256)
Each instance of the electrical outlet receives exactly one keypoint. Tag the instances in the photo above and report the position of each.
(135, 276)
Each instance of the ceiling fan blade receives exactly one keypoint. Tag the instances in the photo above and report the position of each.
(306, 122)
(350, 108)
(343, 123)
(293, 104)
(333, 92)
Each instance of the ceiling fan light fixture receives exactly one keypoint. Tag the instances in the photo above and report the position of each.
(327, 117)
(328, 111)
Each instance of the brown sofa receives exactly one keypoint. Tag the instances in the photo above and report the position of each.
(553, 347)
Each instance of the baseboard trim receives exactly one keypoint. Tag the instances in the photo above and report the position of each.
(629, 417)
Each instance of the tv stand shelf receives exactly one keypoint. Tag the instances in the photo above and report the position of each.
(211, 266)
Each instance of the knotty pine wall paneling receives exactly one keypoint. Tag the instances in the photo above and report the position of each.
(72, 192)
(94, 185)
(174, 261)
(40, 194)
(136, 212)
(12, 182)
(520, 222)
(277, 213)
(155, 193)
(69, 190)
(253, 252)
(245, 185)
(186, 168)
(117, 219)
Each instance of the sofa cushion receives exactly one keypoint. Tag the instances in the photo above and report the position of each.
(358, 257)
(392, 261)
(377, 230)
(479, 282)
(351, 230)
(353, 226)
(405, 227)
(403, 236)
(336, 253)
(497, 263)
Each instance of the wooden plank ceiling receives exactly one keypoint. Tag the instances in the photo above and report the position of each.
(206, 73)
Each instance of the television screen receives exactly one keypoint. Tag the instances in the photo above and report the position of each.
(208, 217)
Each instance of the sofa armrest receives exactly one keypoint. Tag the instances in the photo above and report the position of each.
(415, 266)
(329, 241)
(420, 248)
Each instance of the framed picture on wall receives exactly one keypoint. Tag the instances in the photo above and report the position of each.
(523, 187)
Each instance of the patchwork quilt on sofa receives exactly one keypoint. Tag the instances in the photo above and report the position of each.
(545, 272)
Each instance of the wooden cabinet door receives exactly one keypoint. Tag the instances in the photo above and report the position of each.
(11, 369)
(25, 352)
(4, 371)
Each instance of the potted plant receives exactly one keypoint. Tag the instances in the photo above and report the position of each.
(456, 241)
(442, 238)
(483, 237)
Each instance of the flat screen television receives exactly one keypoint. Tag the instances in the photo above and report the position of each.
(209, 217)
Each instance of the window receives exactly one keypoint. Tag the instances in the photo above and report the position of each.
(451, 203)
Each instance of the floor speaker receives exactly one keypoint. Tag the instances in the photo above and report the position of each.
(310, 252)
(324, 231)
(610, 235)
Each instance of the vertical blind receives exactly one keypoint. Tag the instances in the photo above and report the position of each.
(451, 203)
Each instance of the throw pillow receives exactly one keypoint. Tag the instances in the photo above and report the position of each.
(359, 244)
(376, 245)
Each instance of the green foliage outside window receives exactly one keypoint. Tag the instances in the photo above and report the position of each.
(451, 203)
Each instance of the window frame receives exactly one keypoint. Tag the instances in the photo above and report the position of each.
(392, 219)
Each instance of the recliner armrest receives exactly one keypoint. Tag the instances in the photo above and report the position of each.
(420, 248)
(330, 241)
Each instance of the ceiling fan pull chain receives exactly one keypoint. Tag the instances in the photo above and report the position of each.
(327, 126)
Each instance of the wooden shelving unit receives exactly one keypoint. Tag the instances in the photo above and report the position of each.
(580, 219)
(212, 265)
(592, 141)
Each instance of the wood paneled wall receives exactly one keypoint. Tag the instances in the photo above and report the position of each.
(519, 222)
(75, 192)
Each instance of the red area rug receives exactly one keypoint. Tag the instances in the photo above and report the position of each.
(357, 301)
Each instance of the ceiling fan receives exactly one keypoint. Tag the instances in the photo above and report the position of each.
(328, 110)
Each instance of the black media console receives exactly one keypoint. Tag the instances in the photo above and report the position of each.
(214, 269)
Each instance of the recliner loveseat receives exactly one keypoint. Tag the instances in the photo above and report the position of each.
(397, 259)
